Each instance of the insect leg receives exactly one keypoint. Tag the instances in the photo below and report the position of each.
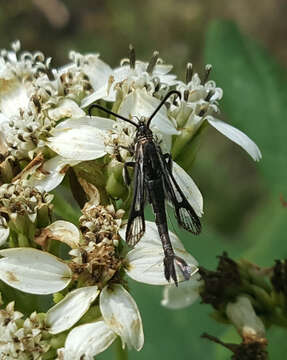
(126, 176)
(130, 149)
(170, 258)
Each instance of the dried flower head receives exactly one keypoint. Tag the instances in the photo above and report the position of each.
(97, 252)
(220, 286)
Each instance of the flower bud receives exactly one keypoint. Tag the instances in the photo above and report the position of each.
(24, 208)
(244, 318)
(115, 185)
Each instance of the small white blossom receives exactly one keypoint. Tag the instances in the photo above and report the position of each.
(34, 98)
(140, 104)
(132, 75)
(199, 103)
(22, 339)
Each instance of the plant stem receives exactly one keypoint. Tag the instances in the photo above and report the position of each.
(120, 353)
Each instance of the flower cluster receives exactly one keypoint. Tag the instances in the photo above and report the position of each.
(46, 130)
(23, 208)
(22, 339)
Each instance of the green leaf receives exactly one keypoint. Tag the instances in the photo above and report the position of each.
(63, 209)
(255, 95)
(267, 234)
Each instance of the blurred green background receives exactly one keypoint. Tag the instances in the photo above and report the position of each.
(245, 42)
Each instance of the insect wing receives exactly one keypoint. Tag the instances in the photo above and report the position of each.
(136, 222)
(184, 212)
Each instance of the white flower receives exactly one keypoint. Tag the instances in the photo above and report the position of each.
(33, 98)
(131, 74)
(21, 339)
(80, 138)
(120, 316)
(97, 72)
(199, 104)
(144, 263)
(38, 272)
(88, 132)
(140, 104)
(91, 137)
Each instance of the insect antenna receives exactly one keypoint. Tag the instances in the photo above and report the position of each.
(111, 113)
(162, 102)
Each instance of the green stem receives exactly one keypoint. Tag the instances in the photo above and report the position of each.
(23, 241)
(120, 353)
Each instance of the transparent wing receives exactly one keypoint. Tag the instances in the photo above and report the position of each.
(136, 222)
(184, 212)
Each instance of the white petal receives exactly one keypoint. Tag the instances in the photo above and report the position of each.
(87, 341)
(33, 271)
(51, 174)
(182, 296)
(236, 136)
(4, 232)
(66, 232)
(101, 93)
(99, 74)
(80, 139)
(139, 104)
(68, 311)
(121, 314)
(13, 97)
(122, 73)
(66, 109)
(162, 69)
(189, 188)
(3, 119)
(165, 142)
(145, 261)
(93, 121)
(97, 71)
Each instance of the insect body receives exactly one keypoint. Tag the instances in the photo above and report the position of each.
(153, 181)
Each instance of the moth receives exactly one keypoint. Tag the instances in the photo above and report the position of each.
(153, 181)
